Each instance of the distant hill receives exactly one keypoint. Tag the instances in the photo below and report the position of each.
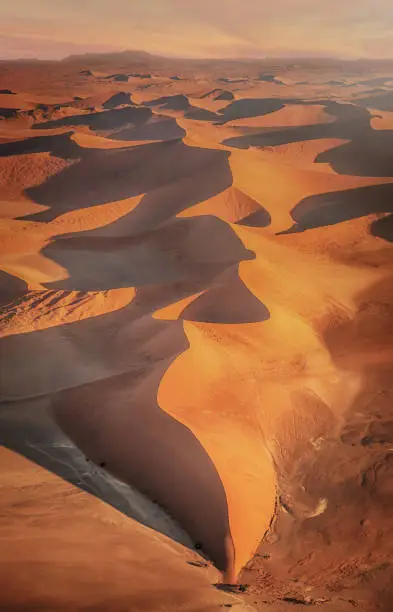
(116, 58)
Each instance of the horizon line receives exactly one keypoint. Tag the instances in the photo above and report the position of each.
(250, 58)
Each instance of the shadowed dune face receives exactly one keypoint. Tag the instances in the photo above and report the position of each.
(241, 109)
(118, 99)
(178, 345)
(177, 248)
(219, 94)
(8, 113)
(59, 145)
(332, 208)
(150, 450)
(11, 288)
(176, 102)
(366, 154)
(78, 559)
(381, 101)
(160, 128)
(174, 253)
(383, 228)
(32, 431)
(104, 120)
(181, 104)
(111, 175)
(229, 302)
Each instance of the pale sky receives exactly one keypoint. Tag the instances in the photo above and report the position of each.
(197, 28)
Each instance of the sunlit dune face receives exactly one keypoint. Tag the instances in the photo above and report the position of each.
(195, 291)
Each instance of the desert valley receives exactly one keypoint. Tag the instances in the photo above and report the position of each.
(196, 263)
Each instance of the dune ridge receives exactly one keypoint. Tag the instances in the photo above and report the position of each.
(196, 318)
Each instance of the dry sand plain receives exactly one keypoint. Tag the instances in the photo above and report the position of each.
(196, 335)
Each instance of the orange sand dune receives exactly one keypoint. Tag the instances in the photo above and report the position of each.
(279, 187)
(230, 205)
(303, 154)
(289, 115)
(74, 563)
(196, 294)
(382, 120)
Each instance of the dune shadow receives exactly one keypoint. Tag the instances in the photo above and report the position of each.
(338, 206)
(258, 218)
(173, 253)
(58, 145)
(380, 100)
(165, 128)
(383, 228)
(367, 153)
(180, 102)
(219, 94)
(228, 301)
(103, 176)
(30, 429)
(100, 120)
(202, 114)
(350, 121)
(104, 397)
(9, 113)
(177, 102)
(119, 77)
(251, 107)
(270, 78)
(246, 108)
(119, 98)
(11, 288)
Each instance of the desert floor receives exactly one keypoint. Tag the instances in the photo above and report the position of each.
(196, 319)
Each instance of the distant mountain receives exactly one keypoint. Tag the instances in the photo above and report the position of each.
(115, 57)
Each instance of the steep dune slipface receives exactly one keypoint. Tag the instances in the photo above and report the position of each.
(199, 294)
(79, 537)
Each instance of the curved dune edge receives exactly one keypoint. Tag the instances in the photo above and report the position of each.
(289, 116)
(232, 439)
(381, 120)
(22, 242)
(173, 311)
(279, 187)
(39, 310)
(135, 325)
(303, 154)
(92, 141)
(230, 205)
(77, 555)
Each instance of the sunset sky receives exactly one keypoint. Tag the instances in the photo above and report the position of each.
(197, 28)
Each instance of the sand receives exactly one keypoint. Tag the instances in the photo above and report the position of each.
(196, 335)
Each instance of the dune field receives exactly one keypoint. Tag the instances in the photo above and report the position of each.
(196, 335)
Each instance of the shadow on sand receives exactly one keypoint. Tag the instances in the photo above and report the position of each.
(172, 175)
(104, 397)
(367, 153)
(338, 206)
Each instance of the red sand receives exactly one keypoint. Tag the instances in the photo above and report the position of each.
(202, 292)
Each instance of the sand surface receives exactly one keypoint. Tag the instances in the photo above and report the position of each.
(196, 335)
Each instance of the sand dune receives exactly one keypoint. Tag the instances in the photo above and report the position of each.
(105, 176)
(218, 94)
(68, 556)
(105, 120)
(118, 99)
(196, 324)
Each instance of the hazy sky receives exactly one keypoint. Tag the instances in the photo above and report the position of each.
(197, 28)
